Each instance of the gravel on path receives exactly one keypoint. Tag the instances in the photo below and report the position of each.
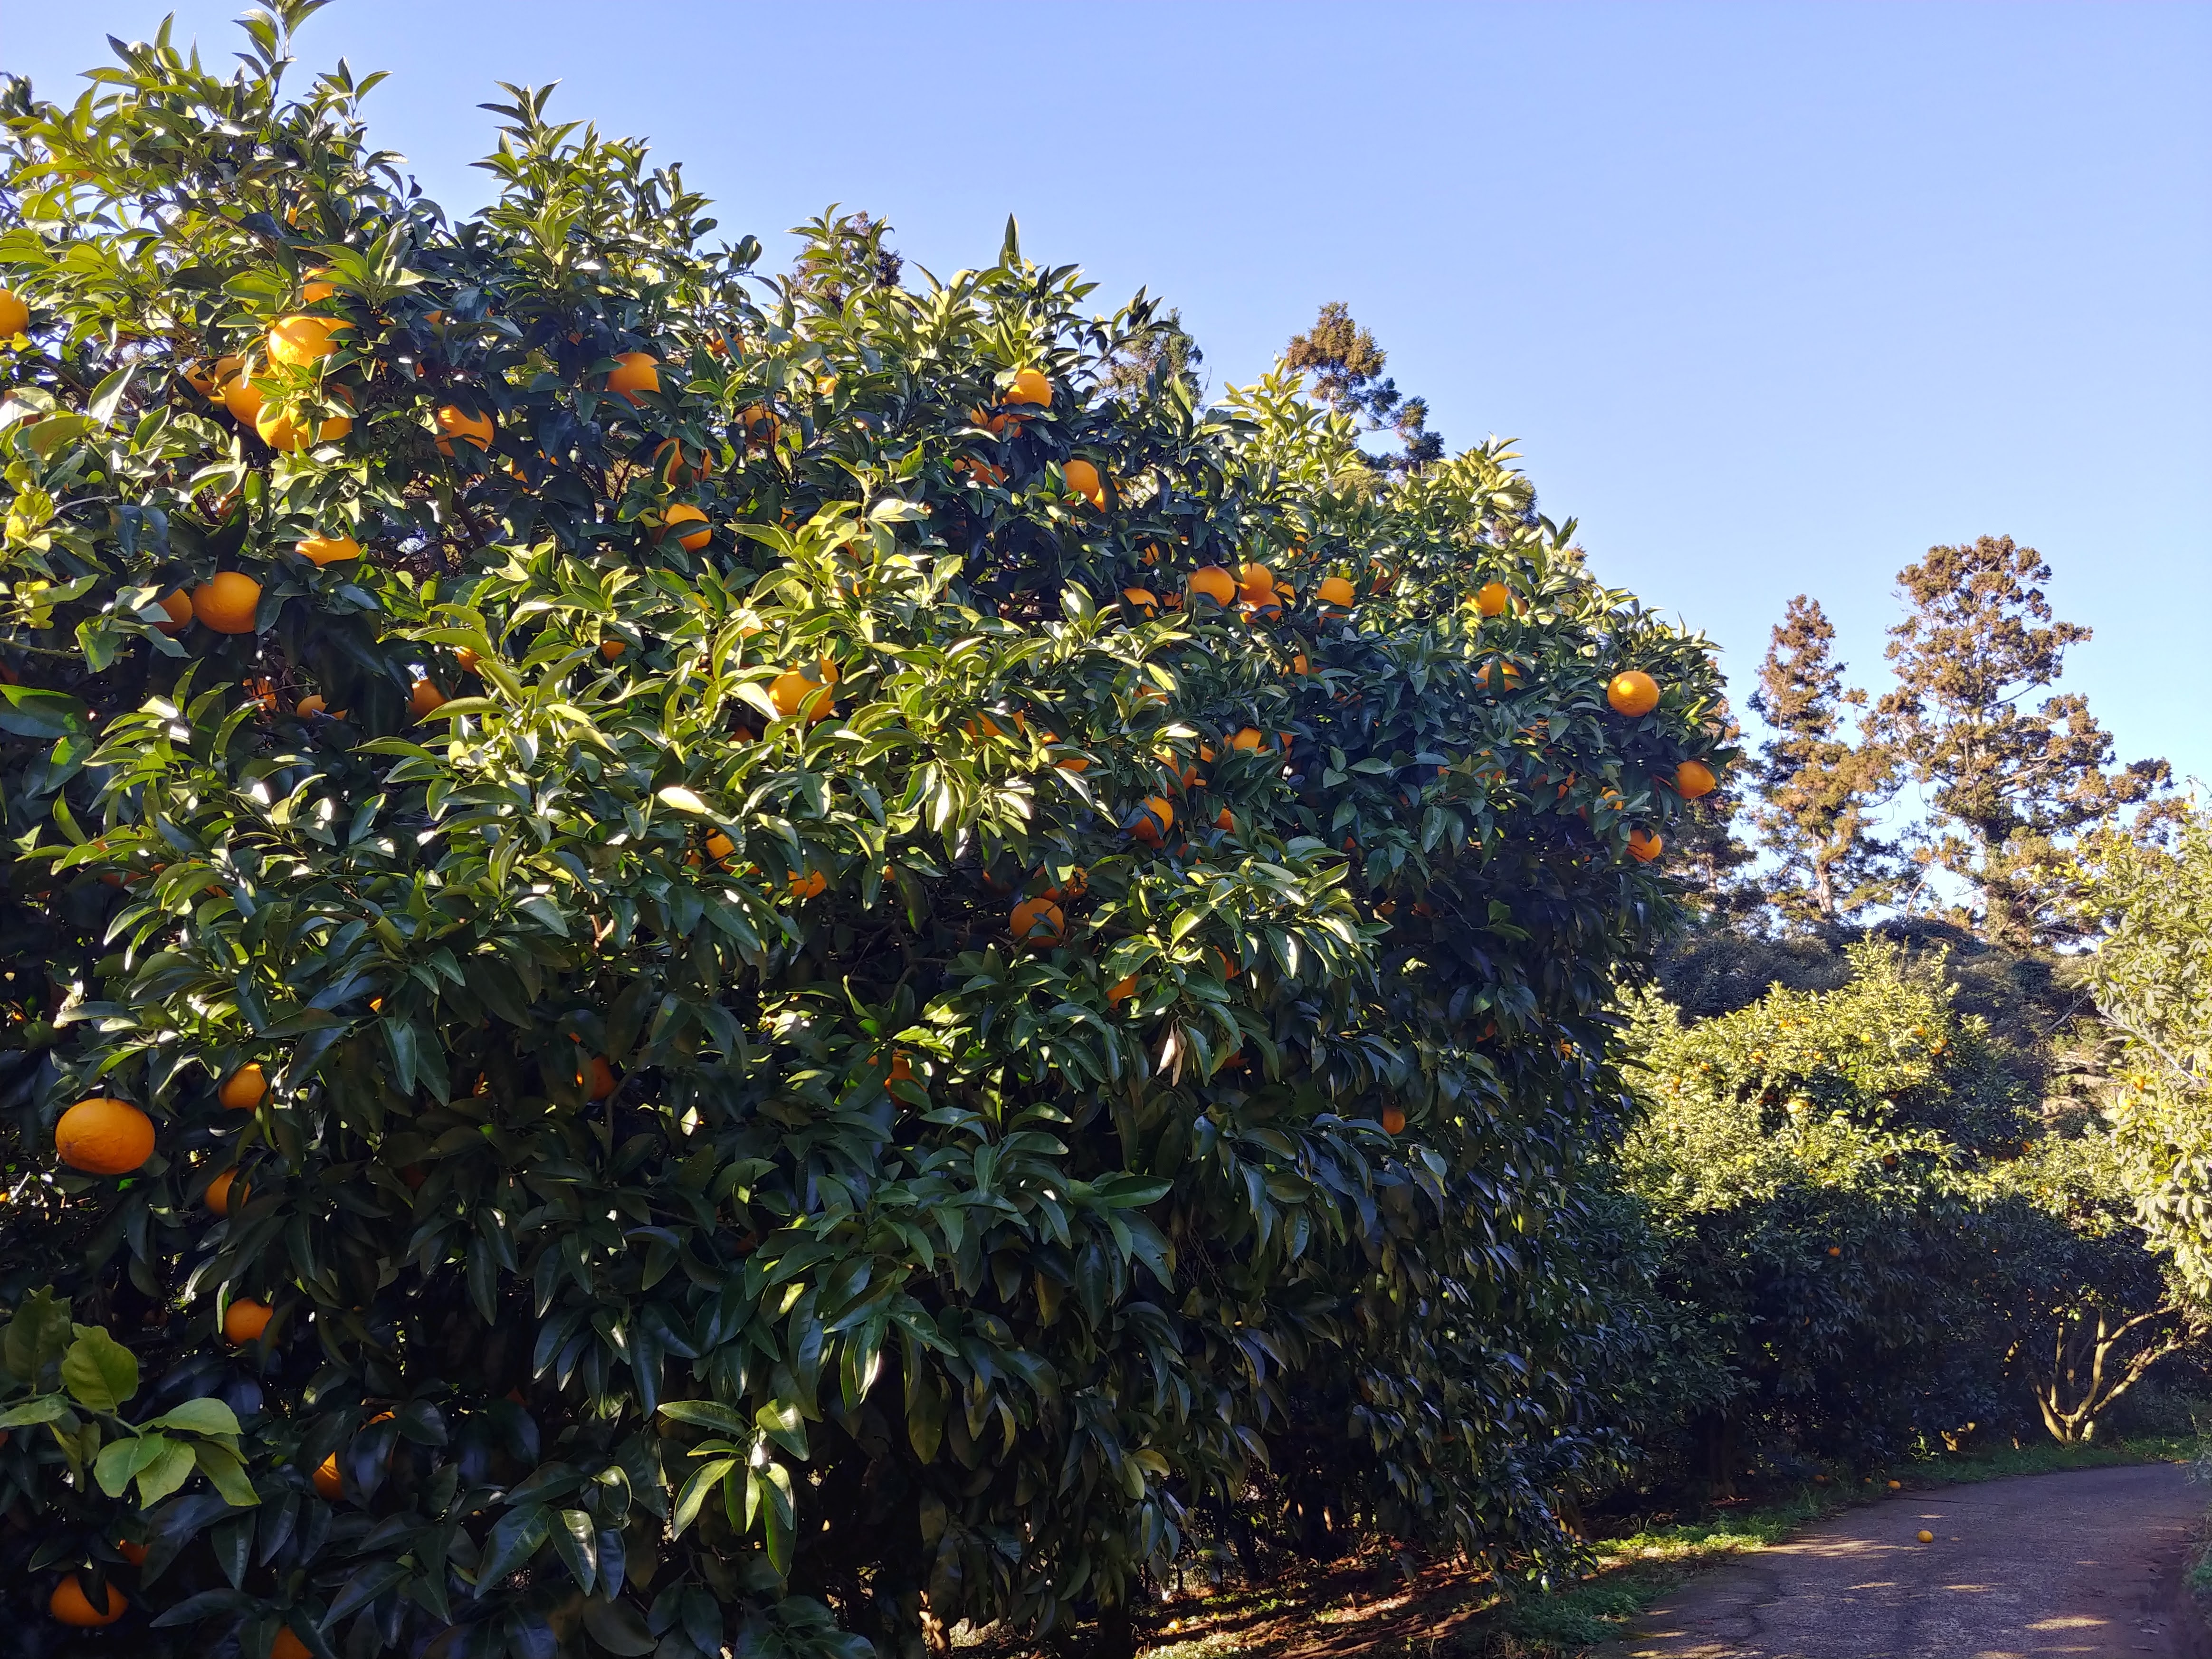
(2086, 1563)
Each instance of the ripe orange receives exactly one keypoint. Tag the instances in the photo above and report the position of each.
(470, 428)
(1693, 779)
(1083, 479)
(1030, 386)
(1249, 736)
(635, 372)
(288, 1646)
(674, 462)
(1632, 693)
(684, 512)
(327, 550)
(241, 396)
(760, 426)
(1066, 763)
(1039, 921)
(1142, 600)
(1923, 1535)
(179, 604)
(14, 315)
(1255, 583)
(809, 689)
(1394, 1120)
(1225, 819)
(291, 431)
(296, 342)
(1505, 670)
(315, 704)
(327, 1480)
(808, 883)
(1837, 1249)
(1121, 990)
(1491, 599)
(226, 602)
(982, 473)
(598, 1081)
(1299, 665)
(104, 1136)
(611, 650)
(1645, 846)
(1153, 820)
(69, 1605)
(1336, 591)
(315, 290)
(134, 1554)
(218, 1196)
(244, 1089)
(1215, 583)
(245, 1320)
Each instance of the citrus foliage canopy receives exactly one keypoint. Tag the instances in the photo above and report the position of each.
(581, 716)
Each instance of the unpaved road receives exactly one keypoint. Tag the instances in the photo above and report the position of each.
(2087, 1563)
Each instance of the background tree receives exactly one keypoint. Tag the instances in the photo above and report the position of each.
(2011, 782)
(1818, 790)
(1348, 365)
(2152, 978)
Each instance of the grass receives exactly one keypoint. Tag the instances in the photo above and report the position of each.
(1375, 1609)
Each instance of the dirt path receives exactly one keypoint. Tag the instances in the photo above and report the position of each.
(2085, 1563)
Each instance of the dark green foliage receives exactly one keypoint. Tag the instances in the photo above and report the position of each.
(692, 1215)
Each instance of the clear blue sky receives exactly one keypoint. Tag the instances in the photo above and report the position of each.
(1773, 297)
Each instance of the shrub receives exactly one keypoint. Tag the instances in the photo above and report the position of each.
(675, 1207)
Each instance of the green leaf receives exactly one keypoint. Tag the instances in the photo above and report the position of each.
(199, 1417)
(119, 1461)
(169, 1469)
(36, 1337)
(46, 1408)
(99, 1372)
(30, 713)
(696, 1490)
(228, 1474)
(682, 799)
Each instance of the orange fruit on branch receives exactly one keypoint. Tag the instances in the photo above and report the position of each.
(1152, 820)
(1040, 922)
(1215, 583)
(1632, 693)
(1030, 387)
(760, 426)
(1693, 779)
(634, 372)
(296, 342)
(684, 512)
(69, 1605)
(1083, 478)
(1394, 1120)
(327, 550)
(1492, 599)
(1336, 591)
(218, 1195)
(424, 699)
(14, 315)
(104, 1136)
(291, 431)
(808, 883)
(1255, 583)
(808, 689)
(244, 1089)
(245, 1320)
(1643, 846)
(453, 422)
(179, 604)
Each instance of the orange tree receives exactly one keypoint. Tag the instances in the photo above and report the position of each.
(1884, 1248)
(767, 963)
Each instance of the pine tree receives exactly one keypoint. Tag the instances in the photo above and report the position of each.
(1347, 366)
(1820, 790)
(2011, 783)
